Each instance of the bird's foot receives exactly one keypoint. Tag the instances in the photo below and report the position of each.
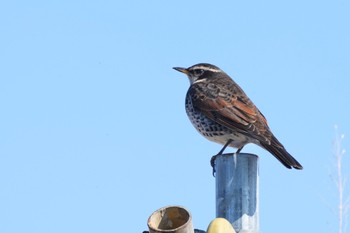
(212, 160)
(212, 163)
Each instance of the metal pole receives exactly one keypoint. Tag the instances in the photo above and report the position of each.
(237, 191)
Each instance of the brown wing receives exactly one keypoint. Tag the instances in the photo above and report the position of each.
(225, 102)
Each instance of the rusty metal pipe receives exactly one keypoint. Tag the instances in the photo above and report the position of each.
(170, 219)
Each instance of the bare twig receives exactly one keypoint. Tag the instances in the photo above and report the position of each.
(343, 206)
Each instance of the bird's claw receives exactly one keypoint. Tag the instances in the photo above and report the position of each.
(212, 163)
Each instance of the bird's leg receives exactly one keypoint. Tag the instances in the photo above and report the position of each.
(239, 149)
(212, 160)
(226, 145)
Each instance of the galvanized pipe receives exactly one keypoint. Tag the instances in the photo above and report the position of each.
(170, 219)
(237, 191)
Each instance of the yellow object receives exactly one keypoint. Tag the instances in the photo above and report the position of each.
(220, 225)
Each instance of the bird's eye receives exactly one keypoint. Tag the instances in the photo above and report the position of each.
(198, 72)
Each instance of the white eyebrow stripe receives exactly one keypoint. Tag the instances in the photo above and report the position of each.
(208, 68)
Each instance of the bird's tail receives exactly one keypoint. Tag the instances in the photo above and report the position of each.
(278, 150)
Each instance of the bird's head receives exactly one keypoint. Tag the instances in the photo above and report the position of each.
(199, 72)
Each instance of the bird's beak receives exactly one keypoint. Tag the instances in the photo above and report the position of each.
(182, 70)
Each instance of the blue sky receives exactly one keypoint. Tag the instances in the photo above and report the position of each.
(93, 132)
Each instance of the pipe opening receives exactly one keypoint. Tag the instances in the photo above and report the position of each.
(168, 219)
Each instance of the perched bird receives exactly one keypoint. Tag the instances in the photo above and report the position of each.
(220, 110)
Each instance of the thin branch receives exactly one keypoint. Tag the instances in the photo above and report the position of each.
(343, 206)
